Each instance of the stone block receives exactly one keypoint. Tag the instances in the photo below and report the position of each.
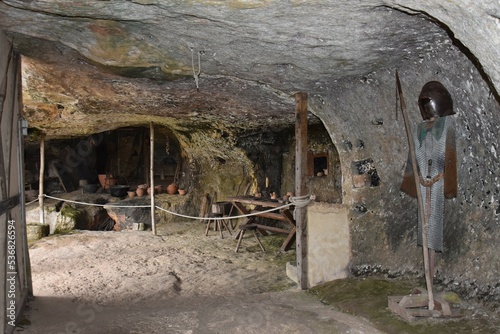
(37, 231)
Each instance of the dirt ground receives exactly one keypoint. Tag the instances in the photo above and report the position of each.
(179, 281)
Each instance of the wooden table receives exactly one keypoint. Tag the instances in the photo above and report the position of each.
(285, 214)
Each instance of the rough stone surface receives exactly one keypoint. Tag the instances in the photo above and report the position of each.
(252, 56)
(36, 231)
(125, 213)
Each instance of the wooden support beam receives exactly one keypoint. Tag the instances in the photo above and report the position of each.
(300, 186)
(41, 179)
(8, 204)
(152, 174)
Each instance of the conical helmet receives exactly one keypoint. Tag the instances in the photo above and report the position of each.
(435, 100)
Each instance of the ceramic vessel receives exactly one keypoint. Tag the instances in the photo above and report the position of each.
(106, 180)
(140, 191)
(131, 193)
(90, 188)
(118, 191)
(182, 192)
(158, 189)
(172, 189)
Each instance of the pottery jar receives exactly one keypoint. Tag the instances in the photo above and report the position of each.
(172, 189)
(140, 191)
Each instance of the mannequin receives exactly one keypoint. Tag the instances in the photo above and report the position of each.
(435, 151)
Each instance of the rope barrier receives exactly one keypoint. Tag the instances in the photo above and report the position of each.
(95, 204)
(298, 201)
(33, 201)
(224, 218)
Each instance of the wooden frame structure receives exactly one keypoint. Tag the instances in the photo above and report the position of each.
(15, 273)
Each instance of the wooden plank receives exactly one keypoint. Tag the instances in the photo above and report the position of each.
(300, 187)
(255, 201)
(442, 306)
(415, 306)
(241, 208)
(414, 301)
(270, 215)
(203, 209)
(272, 229)
(287, 244)
(8, 204)
(289, 217)
(11, 189)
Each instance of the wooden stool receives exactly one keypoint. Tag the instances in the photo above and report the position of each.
(219, 224)
(243, 229)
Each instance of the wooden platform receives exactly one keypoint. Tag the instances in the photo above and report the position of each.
(414, 307)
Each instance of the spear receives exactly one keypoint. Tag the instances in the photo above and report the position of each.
(423, 217)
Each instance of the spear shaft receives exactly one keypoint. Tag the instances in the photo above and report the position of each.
(423, 217)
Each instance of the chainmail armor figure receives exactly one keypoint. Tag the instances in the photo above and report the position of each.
(435, 153)
(430, 145)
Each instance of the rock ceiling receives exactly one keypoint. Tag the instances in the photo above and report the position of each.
(96, 65)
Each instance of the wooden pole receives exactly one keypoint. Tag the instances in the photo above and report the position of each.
(41, 179)
(152, 174)
(423, 218)
(300, 187)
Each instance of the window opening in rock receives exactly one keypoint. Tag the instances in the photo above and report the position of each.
(319, 164)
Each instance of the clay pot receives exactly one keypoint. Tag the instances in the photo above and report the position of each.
(131, 193)
(172, 189)
(90, 188)
(158, 189)
(118, 191)
(106, 180)
(140, 191)
(149, 190)
(182, 192)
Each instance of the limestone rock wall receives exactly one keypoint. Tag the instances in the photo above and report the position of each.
(383, 220)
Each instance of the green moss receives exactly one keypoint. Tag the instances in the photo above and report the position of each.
(34, 135)
(70, 212)
(367, 297)
(282, 285)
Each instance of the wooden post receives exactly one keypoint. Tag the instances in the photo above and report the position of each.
(152, 174)
(300, 186)
(41, 179)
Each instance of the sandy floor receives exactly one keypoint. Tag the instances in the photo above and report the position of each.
(177, 282)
